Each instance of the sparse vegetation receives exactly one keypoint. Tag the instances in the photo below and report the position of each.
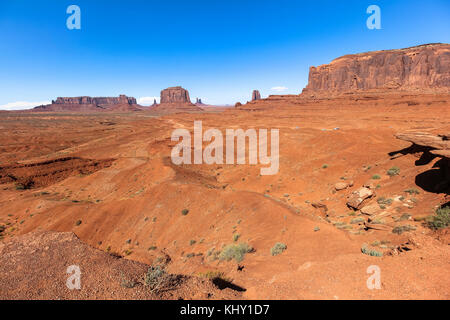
(404, 228)
(78, 222)
(357, 220)
(156, 277)
(394, 171)
(184, 212)
(441, 219)
(371, 252)
(278, 248)
(376, 177)
(235, 251)
(324, 166)
(192, 242)
(236, 237)
(412, 191)
(384, 201)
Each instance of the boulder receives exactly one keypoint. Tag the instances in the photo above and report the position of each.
(358, 197)
(341, 186)
(370, 210)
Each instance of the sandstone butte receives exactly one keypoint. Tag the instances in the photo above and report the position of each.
(175, 99)
(91, 104)
(415, 68)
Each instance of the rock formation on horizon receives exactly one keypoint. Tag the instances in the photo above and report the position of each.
(175, 95)
(89, 104)
(256, 95)
(420, 67)
(199, 102)
(175, 99)
(122, 99)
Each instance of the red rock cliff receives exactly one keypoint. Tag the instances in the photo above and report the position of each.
(421, 67)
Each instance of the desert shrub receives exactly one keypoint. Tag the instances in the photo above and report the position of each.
(236, 237)
(384, 201)
(184, 212)
(192, 242)
(235, 251)
(401, 229)
(278, 248)
(152, 248)
(155, 278)
(78, 222)
(371, 252)
(325, 166)
(441, 219)
(412, 191)
(357, 220)
(376, 177)
(394, 171)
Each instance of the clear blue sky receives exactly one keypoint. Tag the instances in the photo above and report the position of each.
(219, 50)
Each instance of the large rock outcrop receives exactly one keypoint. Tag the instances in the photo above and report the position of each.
(122, 99)
(436, 143)
(421, 67)
(91, 104)
(256, 95)
(175, 95)
(174, 100)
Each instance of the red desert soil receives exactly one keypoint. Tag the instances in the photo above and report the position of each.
(134, 205)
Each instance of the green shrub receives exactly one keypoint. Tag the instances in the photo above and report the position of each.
(184, 212)
(412, 191)
(394, 171)
(371, 252)
(235, 251)
(155, 277)
(192, 242)
(441, 219)
(384, 201)
(236, 237)
(324, 166)
(401, 229)
(376, 177)
(278, 248)
(357, 220)
(78, 222)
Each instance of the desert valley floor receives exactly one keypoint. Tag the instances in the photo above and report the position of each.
(99, 190)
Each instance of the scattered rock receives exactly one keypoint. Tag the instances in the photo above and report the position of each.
(357, 198)
(341, 186)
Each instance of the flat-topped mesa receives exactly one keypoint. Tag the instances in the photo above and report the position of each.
(256, 95)
(421, 67)
(175, 95)
(122, 99)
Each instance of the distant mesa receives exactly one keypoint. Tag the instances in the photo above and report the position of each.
(175, 95)
(89, 104)
(175, 99)
(415, 68)
(256, 95)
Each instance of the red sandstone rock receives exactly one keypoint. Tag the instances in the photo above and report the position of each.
(256, 95)
(420, 67)
(175, 95)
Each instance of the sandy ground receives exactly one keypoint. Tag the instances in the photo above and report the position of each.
(115, 187)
